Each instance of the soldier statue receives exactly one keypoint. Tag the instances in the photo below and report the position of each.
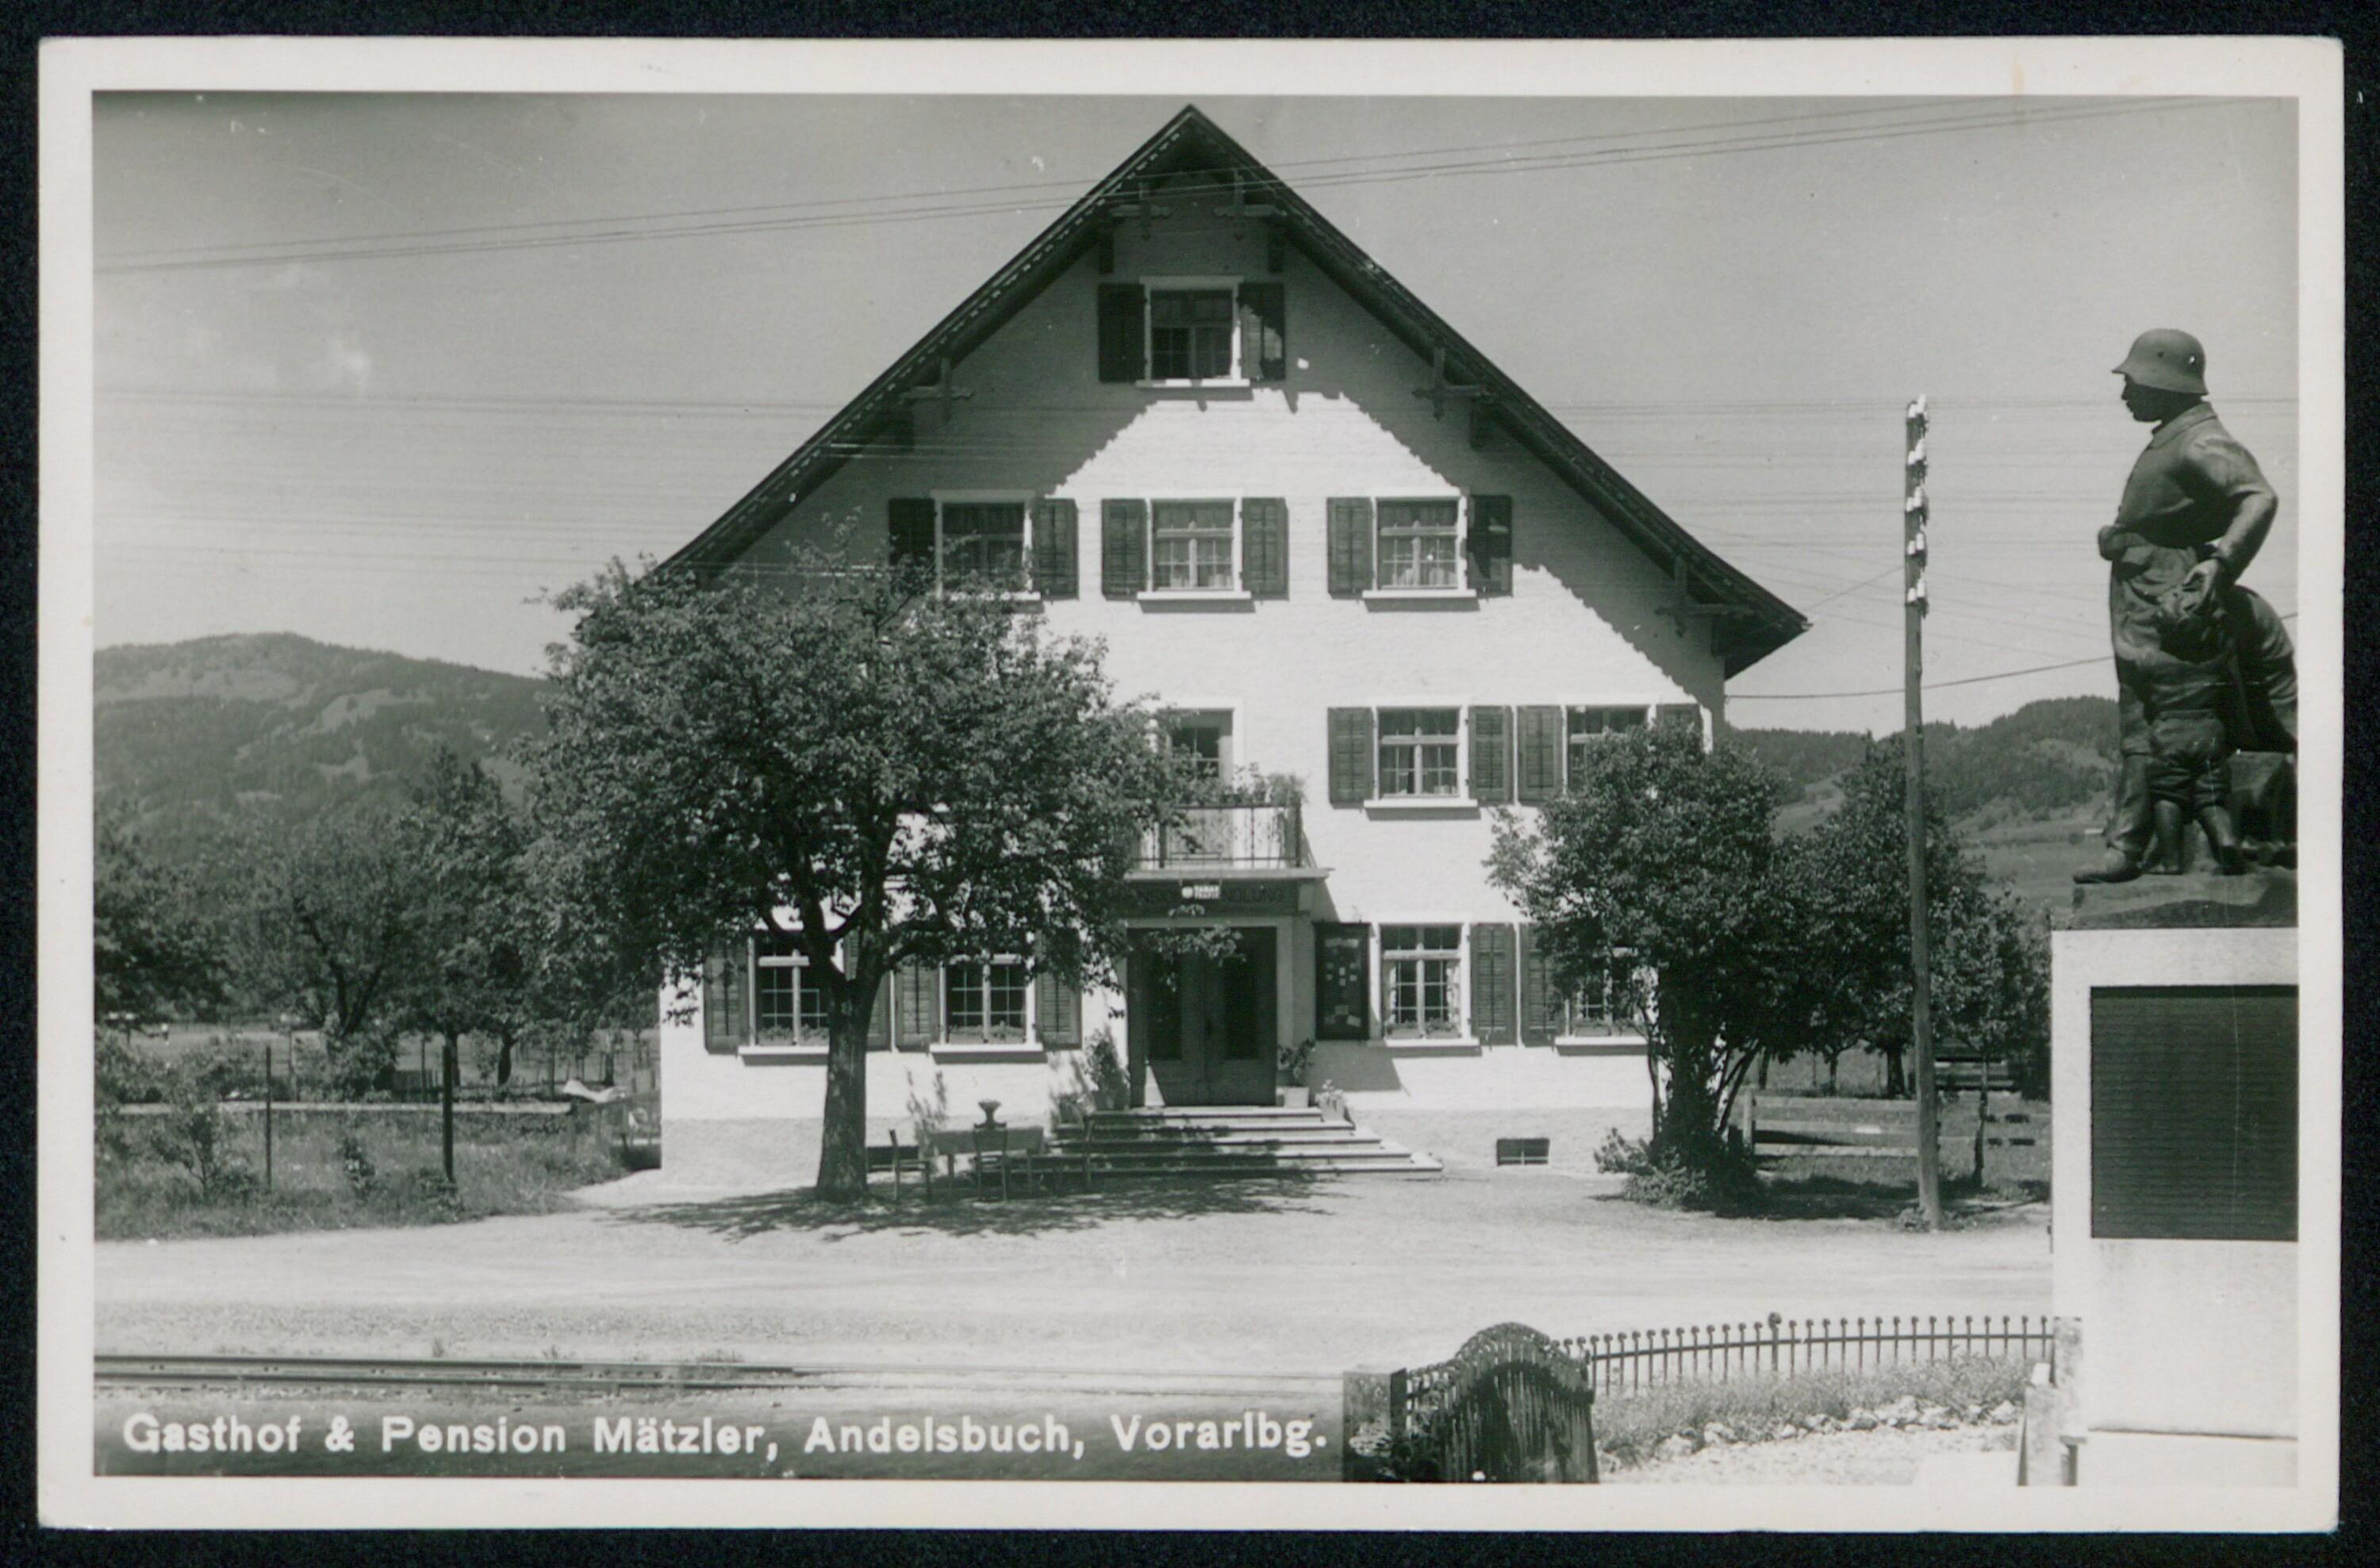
(2203, 666)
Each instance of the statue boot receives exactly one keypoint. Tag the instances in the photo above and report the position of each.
(2113, 866)
(2166, 849)
(2223, 840)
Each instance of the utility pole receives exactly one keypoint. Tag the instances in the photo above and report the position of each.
(1921, 980)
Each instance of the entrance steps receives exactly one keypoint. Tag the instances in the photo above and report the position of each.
(1233, 1140)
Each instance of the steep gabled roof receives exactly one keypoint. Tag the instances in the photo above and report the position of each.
(1751, 623)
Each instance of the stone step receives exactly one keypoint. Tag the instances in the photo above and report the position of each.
(1307, 1155)
(1376, 1162)
(1102, 1138)
(1182, 1127)
(1197, 1112)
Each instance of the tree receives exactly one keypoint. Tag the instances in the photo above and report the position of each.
(1666, 853)
(895, 774)
(1990, 963)
(332, 920)
(468, 849)
(151, 955)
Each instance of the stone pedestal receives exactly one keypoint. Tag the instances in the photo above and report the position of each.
(2174, 1139)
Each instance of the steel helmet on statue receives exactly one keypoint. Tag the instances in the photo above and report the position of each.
(2167, 360)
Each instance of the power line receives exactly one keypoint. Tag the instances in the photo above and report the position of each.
(1659, 152)
(1075, 183)
(1930, 685)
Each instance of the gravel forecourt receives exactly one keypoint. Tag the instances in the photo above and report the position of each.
(1272, 1275)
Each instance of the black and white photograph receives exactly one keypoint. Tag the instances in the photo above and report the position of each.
(1323, 785)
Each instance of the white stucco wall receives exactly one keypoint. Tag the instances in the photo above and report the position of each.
(1583, 626)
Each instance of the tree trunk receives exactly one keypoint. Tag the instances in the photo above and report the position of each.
(504, 1059)
(842, 1130)
(1894, 1088)
(449, 1059)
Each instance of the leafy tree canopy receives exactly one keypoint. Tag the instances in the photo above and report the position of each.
(896, 774)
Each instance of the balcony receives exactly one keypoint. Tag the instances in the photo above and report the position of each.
(1250, 837)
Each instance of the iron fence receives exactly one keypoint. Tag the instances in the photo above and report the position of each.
(1628, 1362)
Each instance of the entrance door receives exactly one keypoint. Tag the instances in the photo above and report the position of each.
(1205, 1025)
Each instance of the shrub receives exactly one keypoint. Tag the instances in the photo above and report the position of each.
(356, 1164)
(1622, 1156)
(362, 1065)
(1110, 1088)
(1725, 1180)
(195, 1135)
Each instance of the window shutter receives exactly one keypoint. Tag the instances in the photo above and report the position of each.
(1541, 739)
(1351, 546)
(1124, 547)
(1491, 755)
(723, 1021)
(1121, 356)
(1058, 1013)
(1488, 558)
(1540, 1009)
(920, 1013)
(912, 541)
(1264, 342)
(1351, 755)
(880, 1016)
(1264, 548)
(1342, 961)
(1491, 985)
(1055, 531)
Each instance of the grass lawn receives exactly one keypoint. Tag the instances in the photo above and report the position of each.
(1813, 1186)
(513, 1165)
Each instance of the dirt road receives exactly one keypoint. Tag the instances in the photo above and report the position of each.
(1259, 1276)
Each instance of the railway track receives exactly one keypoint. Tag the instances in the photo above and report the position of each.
(665, 1376)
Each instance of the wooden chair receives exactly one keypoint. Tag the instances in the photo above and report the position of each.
(990, 1157)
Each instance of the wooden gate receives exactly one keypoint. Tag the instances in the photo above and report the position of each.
(1510, 1406)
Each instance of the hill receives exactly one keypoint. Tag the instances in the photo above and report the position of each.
(193, 739)
(2030, 789)
(2045, 757)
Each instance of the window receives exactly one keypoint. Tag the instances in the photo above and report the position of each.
(1190, 334)
(1420, 546)
(1421, 751)
(1603, 1003)
(1192, 545)
(1201, 741)
(1587, 725)
(783, 1005)
(984, 999)
(1421, 980)
(983, 543)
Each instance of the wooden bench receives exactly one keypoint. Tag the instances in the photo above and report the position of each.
(1778, 1127)
(1966, 1074)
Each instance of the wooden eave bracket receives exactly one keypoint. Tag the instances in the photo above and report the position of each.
(940, 390)
(1271, 216)
(1440, 389)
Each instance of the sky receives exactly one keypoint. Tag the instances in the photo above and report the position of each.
(387, 370)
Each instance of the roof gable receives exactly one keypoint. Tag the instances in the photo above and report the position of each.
(1751, 622)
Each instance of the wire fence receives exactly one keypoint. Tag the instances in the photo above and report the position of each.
(1631, 1361)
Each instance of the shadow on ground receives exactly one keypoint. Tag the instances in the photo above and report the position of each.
(1835, 1197)
(963, 1213)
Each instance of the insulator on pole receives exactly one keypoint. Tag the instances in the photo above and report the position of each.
(1917, 410)
(1917, 452)
(1917, 543)
(1917, 593)
(1915, 502)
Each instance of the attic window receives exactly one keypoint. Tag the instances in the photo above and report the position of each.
(1192, 331)
(1191, 335)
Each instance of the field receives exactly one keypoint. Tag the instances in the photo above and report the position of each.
(333, 1171)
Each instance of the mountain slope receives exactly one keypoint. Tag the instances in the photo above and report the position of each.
(192, 739)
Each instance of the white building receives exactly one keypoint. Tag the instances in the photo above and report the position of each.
(1341, 545)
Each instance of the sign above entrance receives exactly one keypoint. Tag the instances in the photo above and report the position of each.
(1191, 900)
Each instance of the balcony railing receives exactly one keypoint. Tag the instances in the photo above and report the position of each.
(1207, 838)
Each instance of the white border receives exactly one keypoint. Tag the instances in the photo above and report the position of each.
(2308, 70)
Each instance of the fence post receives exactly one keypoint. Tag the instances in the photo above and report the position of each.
(1773, 1322)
